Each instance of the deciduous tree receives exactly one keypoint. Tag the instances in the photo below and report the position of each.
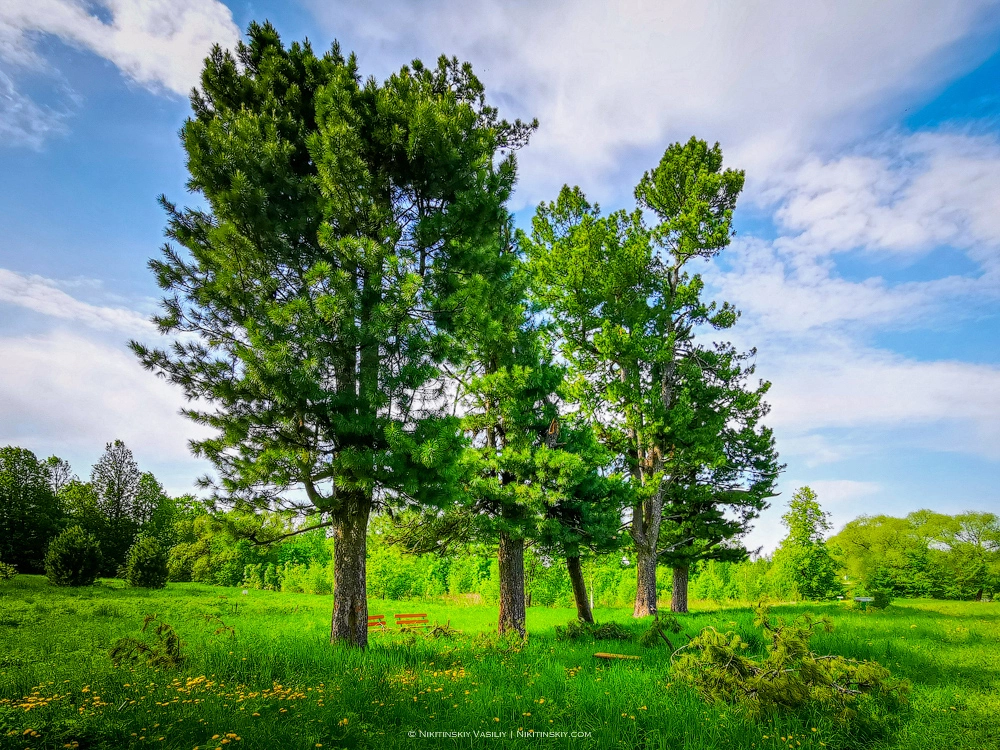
(30, 514)
(116, 481)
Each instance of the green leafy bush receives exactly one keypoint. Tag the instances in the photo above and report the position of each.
(880, 599)
(788, 676)
(163, 650)
(605, 631)
(146, 564)
(7, 571)
(73, 558)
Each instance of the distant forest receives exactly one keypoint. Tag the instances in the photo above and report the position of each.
(925, 554)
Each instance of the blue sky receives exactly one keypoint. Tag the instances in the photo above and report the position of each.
(866, 262)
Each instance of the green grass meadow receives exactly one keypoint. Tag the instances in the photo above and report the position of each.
(260, 673)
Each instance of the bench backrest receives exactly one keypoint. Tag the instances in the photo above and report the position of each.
(376, 621)
(412, 619)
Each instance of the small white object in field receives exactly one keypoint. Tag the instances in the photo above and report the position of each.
(245, 592)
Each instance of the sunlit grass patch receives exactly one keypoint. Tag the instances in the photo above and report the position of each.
(278, 683)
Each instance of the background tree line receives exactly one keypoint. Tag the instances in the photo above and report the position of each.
(41, 498)
(925, 554)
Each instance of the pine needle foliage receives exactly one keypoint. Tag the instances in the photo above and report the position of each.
(789, 676)
(345, 226)
(146, 564)
(163, 650)
(658, 631)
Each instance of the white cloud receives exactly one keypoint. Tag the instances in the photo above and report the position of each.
(838, 491)
(159, 44)
(783, 293)
(74, 387)
(920, 192)
(850, 386)
(812, 450)
(156, 43)
(771, 80)
(814, 328)
(22, 121)
(63, 393)
(44, 296)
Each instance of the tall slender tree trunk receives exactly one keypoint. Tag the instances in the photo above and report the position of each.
(679, 597)
(645, 579)
(510, 558)
(350, 589)
(575, 569)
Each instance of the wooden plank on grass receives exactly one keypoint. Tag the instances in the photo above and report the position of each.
(602, 655)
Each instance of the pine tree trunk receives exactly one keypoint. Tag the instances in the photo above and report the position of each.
(679, 597)
(350, 591)
(575, 569)
(510, 558)
(645, 578)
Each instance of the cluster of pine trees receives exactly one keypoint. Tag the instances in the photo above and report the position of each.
(357, 318)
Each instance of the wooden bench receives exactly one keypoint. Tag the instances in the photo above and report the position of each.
(412, 620)
(376, 621)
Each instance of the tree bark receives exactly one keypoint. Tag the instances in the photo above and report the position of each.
(350, 588)
(645, 579)
(575, 569)
(679, 597)
(510, 558)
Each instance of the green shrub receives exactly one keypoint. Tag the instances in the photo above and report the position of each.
(7, 572)
(880, 599)
(605, 631)
(788, 676)
(73, 558)
(146, 564)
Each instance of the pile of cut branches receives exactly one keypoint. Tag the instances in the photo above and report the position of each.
(789, 675)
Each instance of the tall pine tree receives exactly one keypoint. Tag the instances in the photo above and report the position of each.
(344, 224)
(724, 470)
